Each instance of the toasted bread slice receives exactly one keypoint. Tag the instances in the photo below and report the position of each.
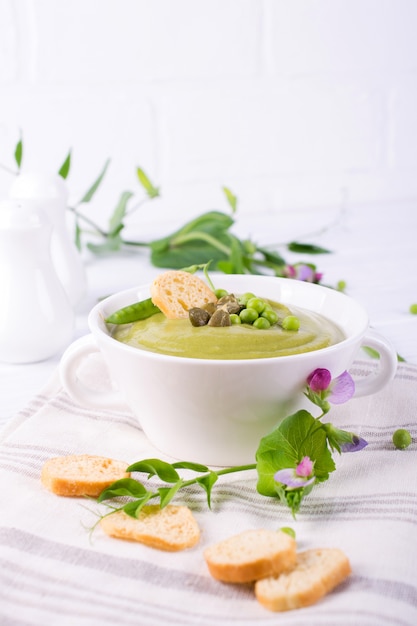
(176, 292)
(81, 475)
(251, 555)
(171, 528)
(316, 573)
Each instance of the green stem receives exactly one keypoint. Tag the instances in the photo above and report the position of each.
(87, 220)
(223, 472)
(139, 244)
(136, 206)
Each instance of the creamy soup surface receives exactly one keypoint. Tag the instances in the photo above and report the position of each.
(179, 338)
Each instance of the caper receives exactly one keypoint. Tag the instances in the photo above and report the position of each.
(220, 318)
(198, 317)
(210, 307)
(229, 303)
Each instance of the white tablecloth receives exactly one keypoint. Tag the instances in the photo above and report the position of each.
(53, 573)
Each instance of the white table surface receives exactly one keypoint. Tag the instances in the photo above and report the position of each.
(53, 572)
(374, 250)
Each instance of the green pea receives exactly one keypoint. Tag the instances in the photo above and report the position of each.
(220, 293)
(235, 319)
(248, 316)
(243, 299)
(133, 312)
(413, 309)
(270, 315)
(401, 439)
(291, 322)
(262, 323)
(256, 303)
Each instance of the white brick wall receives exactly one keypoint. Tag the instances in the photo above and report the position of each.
(290, 103)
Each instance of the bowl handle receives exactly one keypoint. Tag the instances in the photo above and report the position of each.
(388, 362)
(76, 354)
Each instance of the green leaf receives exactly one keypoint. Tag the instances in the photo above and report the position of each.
(152, 191)
(374, 354)
(185, 255)
(207, 483)
(297, 436)
(167, 493)
(293, 498)
(92, 190)
(134, 508)
(271, 256)
(199, 241)
(113, 243)
(211, 222)
(307, 248)
(123, 487)
(18, 152)
(236, 255)
(231, 198)
(77, 239)
(116, 220)
(65, 167)
(155, 467)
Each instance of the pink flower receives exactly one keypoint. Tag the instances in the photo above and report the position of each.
(319, 380)
(301, 476)
(305, 467)
(303, 271)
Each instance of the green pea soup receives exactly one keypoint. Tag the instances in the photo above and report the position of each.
(179, 338)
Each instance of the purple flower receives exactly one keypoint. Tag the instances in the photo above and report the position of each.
(301, 476)
(303, 271)
(319, 380)
(342, 440)
(336, 391)
(342, 389)
(355, 445)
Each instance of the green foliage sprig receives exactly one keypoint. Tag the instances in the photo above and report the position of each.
(290, 461)
(299, 435)
(208, 237)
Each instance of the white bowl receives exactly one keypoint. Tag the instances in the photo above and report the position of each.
(216, 411)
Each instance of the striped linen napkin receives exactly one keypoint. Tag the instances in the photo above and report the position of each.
(54, 571)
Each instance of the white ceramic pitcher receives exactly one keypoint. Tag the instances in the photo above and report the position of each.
(49, 193)
(36, 316)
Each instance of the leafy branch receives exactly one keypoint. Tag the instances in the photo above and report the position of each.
(206, 238)
(167, 472)
(298, 436)
(290, 461)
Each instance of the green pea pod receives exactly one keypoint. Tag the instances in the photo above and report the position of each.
(133, 312)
